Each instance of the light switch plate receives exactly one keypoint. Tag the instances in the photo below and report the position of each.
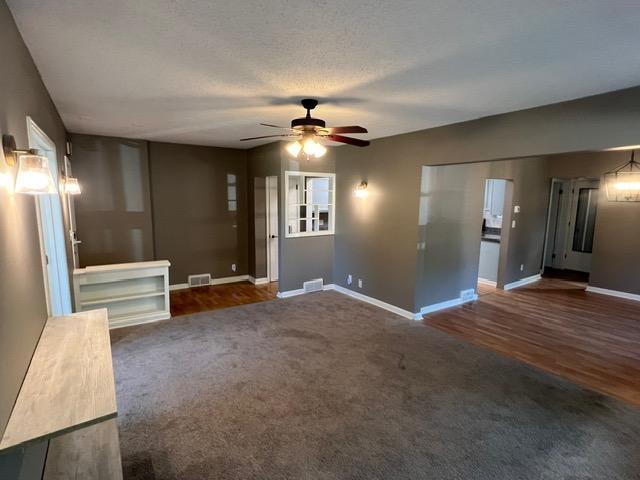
(516, 209)
(349, 279)
(359, 283)
(513, 224)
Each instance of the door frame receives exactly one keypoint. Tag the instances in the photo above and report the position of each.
(271, 182)
(56, 259)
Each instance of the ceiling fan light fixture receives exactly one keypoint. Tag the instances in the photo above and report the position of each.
(309, 147)
(294, 148)
(320, 150)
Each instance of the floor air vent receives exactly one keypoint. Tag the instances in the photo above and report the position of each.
(199, 280)
(313, 285)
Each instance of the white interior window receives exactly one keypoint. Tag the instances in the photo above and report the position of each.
(310, 200)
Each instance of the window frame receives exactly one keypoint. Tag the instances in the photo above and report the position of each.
(332, 204)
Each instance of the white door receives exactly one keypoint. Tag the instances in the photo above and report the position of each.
(272, 229)
(51, 229)
(579, 241)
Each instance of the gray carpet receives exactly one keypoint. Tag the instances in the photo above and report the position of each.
(322, 386)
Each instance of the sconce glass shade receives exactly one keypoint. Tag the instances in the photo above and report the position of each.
(623, 183)
(34, 176)
(71, 186)
(361, 190)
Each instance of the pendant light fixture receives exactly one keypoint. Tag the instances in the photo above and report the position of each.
(622, 184)
(34, 175)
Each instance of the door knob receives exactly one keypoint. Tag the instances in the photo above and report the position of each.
(274, 236)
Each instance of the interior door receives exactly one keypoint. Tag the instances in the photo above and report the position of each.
(272, 228)
(51, 229)
(579, 240)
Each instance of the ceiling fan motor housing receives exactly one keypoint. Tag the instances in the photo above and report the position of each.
(300, 123)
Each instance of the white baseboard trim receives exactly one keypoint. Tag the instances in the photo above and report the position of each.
(614, 293)
(215, 281)
(290, 293)
(374, 301)
(484, 281)
(522, 282)
(234, 279)
(258, 281)
(454, 302)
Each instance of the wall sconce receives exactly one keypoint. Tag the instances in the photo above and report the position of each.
(34, 176)
(622, 184)
(71, 186)
(361, 190)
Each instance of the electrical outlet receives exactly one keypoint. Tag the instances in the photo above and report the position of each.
(513, 224)
(516, 209)
(349, 279)
(522, 267)
(359, 283)
(233, 267)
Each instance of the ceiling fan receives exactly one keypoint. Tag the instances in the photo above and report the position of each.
(307, 131)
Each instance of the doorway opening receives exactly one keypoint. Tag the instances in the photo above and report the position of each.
(272, 228)
(573, 205)
(491, 239)
(51, 229)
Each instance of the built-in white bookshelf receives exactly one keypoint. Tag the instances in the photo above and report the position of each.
(132, 293)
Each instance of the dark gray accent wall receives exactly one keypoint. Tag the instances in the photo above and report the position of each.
(23, 310)
(199, 209)
(450, 224)
(377, 239)
(113, 214)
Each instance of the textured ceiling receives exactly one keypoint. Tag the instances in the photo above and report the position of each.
(207, 71)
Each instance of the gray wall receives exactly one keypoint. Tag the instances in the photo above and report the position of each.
(262, 162)
(300, 259)
(22, 299)
(615, 261)
(199, 209)
(304, 258)
(450, 225)
(377, 239)
(113, 214)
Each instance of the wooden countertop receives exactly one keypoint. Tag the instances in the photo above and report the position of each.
(70, 382)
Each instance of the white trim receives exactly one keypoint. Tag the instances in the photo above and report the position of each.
(522, 282)
(484, 281)
(214, 281)
(374, 301)
(234, 279)
(358, 296)
(454, 302)
(292, 293)
(614, 293)
(332, 204)
(127, 322)
(258, 281)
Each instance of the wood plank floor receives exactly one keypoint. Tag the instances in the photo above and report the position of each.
(201, 299)
(557, 326)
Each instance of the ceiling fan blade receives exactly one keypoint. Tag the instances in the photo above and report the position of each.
(350, 129)
(271, 136)
(351, 141)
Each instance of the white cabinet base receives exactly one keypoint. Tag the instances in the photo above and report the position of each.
(132, 293)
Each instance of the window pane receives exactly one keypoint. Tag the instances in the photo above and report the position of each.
(585, 220)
